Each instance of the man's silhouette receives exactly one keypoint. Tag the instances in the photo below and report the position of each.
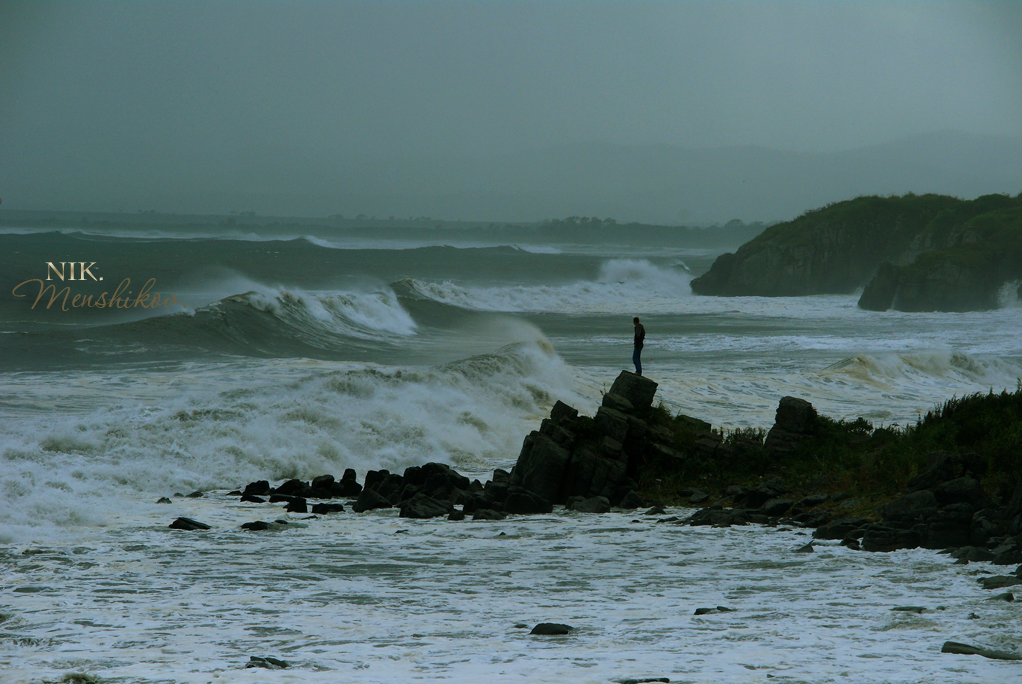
(640, 336)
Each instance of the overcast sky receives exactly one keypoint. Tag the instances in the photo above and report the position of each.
(113, 99)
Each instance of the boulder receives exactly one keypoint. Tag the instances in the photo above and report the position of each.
(297, 505)
(369, 500)
(487, 514)
(636, 389)
(456, 515)
(632, 500)
(325, 508)
(292, 488)
(611, 423)
(526, 502)
(596, 504)
(163, 500)
(374, 478)
(424, 506)
(960, 490)
(256, 525)
(618, 403)
(999, 581)
(188, 524)
(347, 487)
(551, 629)
(717, 516)
(323, 482)
(698, 496)
(776, 507)
(249, 498)
(808, 548)
(562, 414)
(267, 663)
(258, 488)
(885, 539)
(796, 420)
(813, 500)
(966, 649)
(541, 467)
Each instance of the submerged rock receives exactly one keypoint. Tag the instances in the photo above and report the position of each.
(267, 662)
(551, 629)
(369, 500)
(966, 649)
(188, 524)
(424, 506)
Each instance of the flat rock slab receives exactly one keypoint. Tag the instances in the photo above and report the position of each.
(996, 582)
(966, 649)
(551, 629)
(189, 524)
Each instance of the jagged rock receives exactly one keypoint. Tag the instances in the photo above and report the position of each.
(966, 649)
(369, 500)
(881, 538)
(656, 510)
(596, 504)
(551, 629)
(502, 476)
(618, 403)
(808, 548)
(972, 554)
(487, 514)
(325, 508)
(373, 478)
(636, 389)
(347, 487)
(1007, 553)
(796, 420)
(195, 495)
(389, 487)
(424, 506)
(163, 500)
(611, 423)
(541, 466)
(267, 663)
(188, 524)
(523, 501)
(258, 488)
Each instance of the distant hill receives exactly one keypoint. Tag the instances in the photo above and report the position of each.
(911, 253)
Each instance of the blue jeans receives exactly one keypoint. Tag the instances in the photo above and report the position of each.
(637, 361)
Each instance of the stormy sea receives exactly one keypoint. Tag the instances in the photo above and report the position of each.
(292, 356)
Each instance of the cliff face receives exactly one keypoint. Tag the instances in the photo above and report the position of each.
(920, 248)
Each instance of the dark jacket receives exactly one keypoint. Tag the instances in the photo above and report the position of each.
(640, 335)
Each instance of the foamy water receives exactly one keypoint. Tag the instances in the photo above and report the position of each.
(272, 379)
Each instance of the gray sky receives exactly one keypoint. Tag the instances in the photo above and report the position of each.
(109, 105)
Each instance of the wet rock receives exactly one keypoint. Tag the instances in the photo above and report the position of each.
(195, 495)
(551, 629)
(487, 514)
(909, 609)
(1006, 596)
(561, 413)
(292, 488)
(258, 488)
(523, 501)
(596, 504)
(456, 515)
(972, 554)
(347, 487)
(424, 506)
(256, 525)
(1007, 553)
(966, 649)
(851, 543)
(656, 510)
(188, 524)
(369, 500)
(611, 423)
(713, 611)
(632, 500)
(267, 663)
(323, 482)
(885, 539)
(163, 500)
(717, 516)
(297, 505)
(999, 581)
(618, 403)
(325, 508)
(642, 680)
(249, 498)
(841, 528)
(808, 548)
(278, 498)
(636, 389)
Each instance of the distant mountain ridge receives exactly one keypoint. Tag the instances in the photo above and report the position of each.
(911, 253)
(655, 184)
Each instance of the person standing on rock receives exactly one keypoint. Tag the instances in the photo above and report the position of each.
(640, 337)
